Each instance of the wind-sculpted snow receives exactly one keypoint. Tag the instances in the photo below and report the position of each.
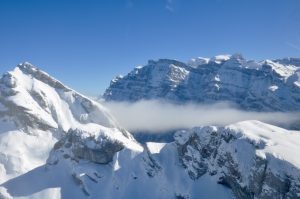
(257, 86)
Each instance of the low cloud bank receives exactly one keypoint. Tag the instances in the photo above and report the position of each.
(155, 116)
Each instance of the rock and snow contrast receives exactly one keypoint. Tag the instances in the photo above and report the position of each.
(250, 85)
(57, 143)
(254, 159)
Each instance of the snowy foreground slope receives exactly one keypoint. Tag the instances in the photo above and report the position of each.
(56, 143)
(254, 159)
(250, 85)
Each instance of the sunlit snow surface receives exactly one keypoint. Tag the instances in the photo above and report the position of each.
(129, 180)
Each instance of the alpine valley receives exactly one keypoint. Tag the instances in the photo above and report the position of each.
(57, 143)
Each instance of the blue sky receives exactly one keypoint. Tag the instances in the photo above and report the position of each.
(85, 43)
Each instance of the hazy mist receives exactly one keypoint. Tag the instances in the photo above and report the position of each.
(155, 116)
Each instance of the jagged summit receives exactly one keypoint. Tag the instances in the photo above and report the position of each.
(26, 65)
(30, 69)
(269, 85)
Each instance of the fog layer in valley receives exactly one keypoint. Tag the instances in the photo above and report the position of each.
(156, 116)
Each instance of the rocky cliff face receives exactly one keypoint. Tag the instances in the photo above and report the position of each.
(250, 157)
(98, 147)
(260, 86)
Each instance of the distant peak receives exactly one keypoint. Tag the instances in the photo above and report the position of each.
(237, 56)
(289, 61)
(195, 62)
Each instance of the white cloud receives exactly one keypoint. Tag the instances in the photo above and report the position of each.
(156, 116)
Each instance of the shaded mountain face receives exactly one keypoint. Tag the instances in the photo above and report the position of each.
(257, 86)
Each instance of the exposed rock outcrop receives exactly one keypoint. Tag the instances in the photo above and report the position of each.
(77, 144)
(244, 157)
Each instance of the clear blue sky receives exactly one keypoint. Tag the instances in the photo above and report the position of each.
(85, 43)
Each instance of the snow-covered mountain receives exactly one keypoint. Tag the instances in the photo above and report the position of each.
(57, 143)
(259, 86)
(36, 110)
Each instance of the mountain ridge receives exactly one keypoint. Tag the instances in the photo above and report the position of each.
(256, 86)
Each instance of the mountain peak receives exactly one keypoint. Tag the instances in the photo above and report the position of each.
(26, 65)
(43, 99)
(30, 69)
(198, 61)
(237, 56)
(289, 61)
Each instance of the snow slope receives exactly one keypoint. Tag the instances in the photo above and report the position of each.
(253, 159)
(259, 86)
(36, 110)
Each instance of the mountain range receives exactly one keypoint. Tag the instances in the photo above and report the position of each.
(269, 85)
(58, 143)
